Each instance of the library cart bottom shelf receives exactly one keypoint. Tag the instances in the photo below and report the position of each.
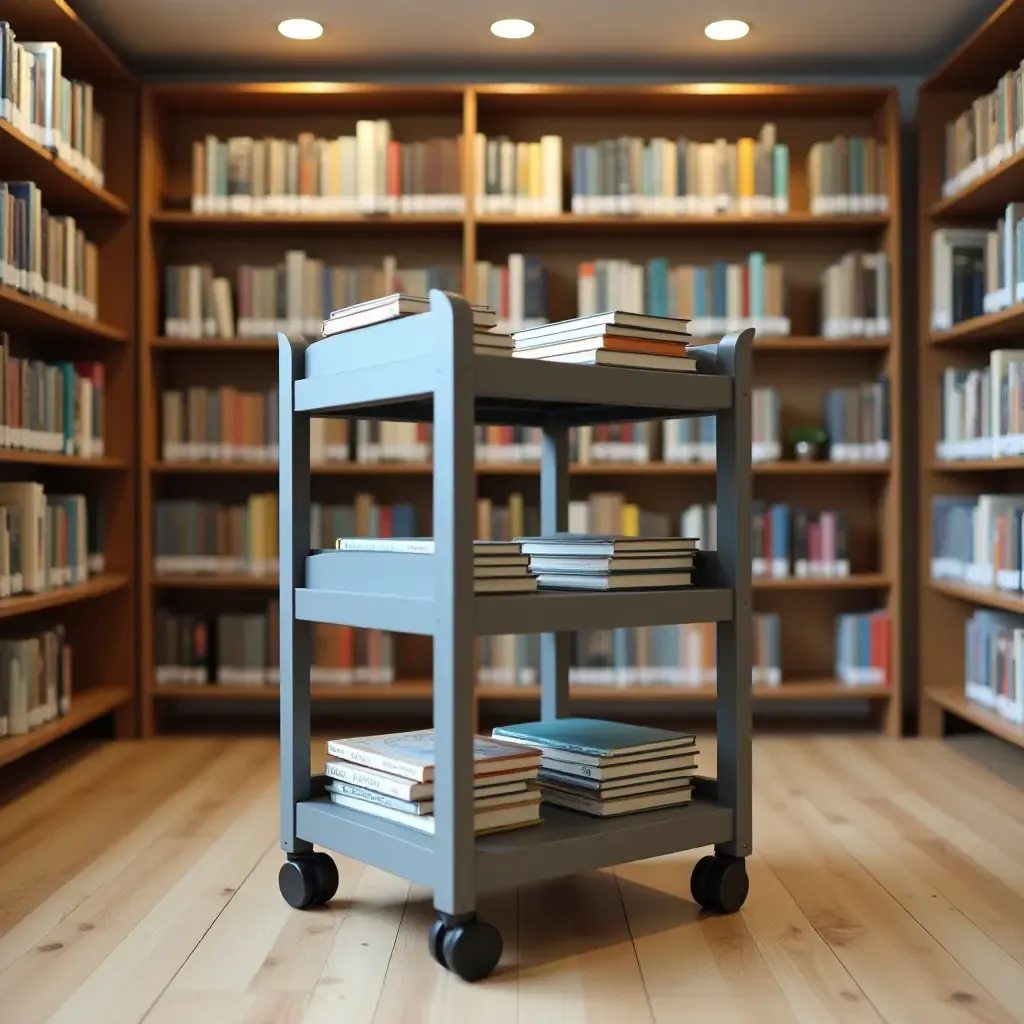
(564, 843)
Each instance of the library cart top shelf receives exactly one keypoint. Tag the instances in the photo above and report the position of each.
(395, 365)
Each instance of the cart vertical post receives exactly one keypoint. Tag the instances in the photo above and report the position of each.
(293, 547)
(454, 634)
(733, 498)
(554, 518)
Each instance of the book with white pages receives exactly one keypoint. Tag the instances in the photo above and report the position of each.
(492, 819)
(629, 788)
(523, 795)
(624, 563)
(606, 808)
(596, 335)
(423, 546)
(603, 544)
(390, 307)
(614, 581)
(618, 769)
(596, 740)
(620, 360)
(672, 326)
(388, 784)
(672, 777)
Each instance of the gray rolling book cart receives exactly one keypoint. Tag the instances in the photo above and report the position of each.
(424, 368)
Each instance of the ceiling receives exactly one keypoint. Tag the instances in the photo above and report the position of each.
(599, 36)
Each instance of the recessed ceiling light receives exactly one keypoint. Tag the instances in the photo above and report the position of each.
(723, 31)
(512, 28)
(300, 28)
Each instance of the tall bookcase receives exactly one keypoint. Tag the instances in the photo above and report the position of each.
(946, 606)
(100, 613)
(802, 367)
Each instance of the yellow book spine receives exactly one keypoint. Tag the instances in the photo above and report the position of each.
(745, 159)
(630, 520)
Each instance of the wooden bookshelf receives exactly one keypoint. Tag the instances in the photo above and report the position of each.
(946, 606)
(99, 614)
(802, 367)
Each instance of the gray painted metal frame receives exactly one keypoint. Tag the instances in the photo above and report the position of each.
(425, 367)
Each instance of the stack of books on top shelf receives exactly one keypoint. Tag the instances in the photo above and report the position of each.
(392, 777)
(486, 340)
(570, 561)
(499, 567)
(608, 768)
(613, 338)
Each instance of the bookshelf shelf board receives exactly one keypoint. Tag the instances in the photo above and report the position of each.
(18, 311)
(86, 706)
(989, 597)
(783, 468)
(792, 344)
(98, 586)
(955, 702)
(199, 581)
(988, 194)
(802, 223)
(976, 465)
(64, 190)
(184, 220)
(1005, 323)
(22, 457)
(420, 690)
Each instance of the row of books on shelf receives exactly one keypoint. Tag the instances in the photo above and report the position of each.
(994, 663)
(977, 270)
(202, 537)
(977, 540)
(243, 650)
(369, 172)
(985, 135)
(373, 172)
(295, 295)
(794, 542)
(51, 407)
(52, 110)
(35, 680)
(677, 655)
(46, 540)
(224, 424)
(45, 255)
(981, 410)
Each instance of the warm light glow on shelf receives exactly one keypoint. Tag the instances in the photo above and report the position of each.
(725, 31)
(300, 28)
(512, 28)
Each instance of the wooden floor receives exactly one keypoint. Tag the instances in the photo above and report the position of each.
(887, 885)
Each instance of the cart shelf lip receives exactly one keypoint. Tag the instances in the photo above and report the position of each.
(509, 390)
(538, 612)
(520, 856)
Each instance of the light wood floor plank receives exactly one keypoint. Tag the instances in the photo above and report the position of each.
(902, 869)
(905, 973)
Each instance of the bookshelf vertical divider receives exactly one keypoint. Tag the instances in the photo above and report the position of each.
(801, 367)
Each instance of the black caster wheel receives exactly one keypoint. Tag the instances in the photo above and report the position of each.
(720, 884)
(308, 880)
(472, 949)
(435, 941)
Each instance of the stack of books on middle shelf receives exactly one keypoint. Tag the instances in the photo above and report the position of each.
(614, 338)
(569, 561)
(499, 567)
(35, 680)
(978, 540)
(994, 663)
(45, 255)
(392, 777)
(608, 768)
(51, 407)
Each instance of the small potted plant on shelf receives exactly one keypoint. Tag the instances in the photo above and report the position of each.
(808, 444)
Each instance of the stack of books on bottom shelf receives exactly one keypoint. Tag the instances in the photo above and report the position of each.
(608, 768)
(486, 340)
(615, 338)
(574, 561)
(392, 777)
(499, 567)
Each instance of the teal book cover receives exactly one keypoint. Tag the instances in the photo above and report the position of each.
(593, 736)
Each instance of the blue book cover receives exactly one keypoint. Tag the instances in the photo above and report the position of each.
(718, 288)
(594, 736)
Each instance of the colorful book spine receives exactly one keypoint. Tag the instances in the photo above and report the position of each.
(848, 175)
(994, 663)
(517, 291)
(517, 178)
(856, 420)
(855, 297)
(863, 643)
(694, 439)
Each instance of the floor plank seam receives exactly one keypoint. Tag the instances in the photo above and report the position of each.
(391, 956)
(206, 931)
(632, 942)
